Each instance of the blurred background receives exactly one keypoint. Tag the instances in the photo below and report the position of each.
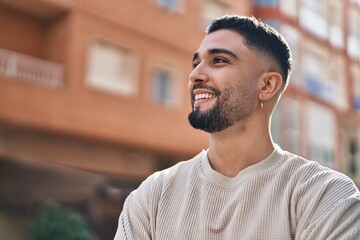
(93, 99)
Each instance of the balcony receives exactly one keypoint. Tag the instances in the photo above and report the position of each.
(16, 66)
(43, 9)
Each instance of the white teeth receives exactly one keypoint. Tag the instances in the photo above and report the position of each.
(204, 96)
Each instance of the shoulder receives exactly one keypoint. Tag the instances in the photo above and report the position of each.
(159, 181)
(317, 189)
(322, 200)
(310, 173)
(178, 170)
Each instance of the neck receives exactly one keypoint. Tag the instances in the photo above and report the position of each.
(240, 146)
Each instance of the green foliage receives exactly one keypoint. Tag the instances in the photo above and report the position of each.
(59, 223)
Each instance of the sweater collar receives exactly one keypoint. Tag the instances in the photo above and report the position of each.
(252, 170)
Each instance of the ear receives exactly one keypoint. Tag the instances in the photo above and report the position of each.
(270, 85)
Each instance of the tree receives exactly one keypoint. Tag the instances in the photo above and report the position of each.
(59, 223)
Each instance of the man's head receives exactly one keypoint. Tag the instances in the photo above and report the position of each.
(260, 37)
(240, 63)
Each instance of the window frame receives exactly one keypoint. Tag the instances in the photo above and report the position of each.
(176, 89)
(131, 72)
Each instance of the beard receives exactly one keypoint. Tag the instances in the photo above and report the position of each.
(233, 105)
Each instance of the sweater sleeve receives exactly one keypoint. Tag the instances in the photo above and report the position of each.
(138, 217)
(341, 222)
(134, 221)
(330, 209)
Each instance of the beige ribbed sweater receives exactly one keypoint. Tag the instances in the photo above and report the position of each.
(282, 197)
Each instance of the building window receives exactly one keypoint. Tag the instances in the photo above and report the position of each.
(164, 87)
(335, 19)
(285, 125)
(355, 1)
(353, 154)
(214, 9)
(353, 38)
(272, 3)
(313, 68)
(112, 68)
(321, 132)
(289, 7)
(313, 17)
(355, 77)
(292, 36)
(335, 81)
(169, 4)
(292, 126)
(323, 74)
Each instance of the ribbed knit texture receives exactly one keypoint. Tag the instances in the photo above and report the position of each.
(282, 197)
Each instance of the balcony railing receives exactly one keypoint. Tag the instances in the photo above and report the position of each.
(33, 70)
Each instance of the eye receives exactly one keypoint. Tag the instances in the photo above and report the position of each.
(195, 64)
(218, 60)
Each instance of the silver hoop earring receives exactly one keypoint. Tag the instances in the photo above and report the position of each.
(261, 104)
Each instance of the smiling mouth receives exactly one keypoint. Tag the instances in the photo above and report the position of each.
(201, 96)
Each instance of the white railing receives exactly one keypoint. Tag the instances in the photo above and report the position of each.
(21, 67)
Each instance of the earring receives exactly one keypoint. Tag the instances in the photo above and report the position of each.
(261, 104)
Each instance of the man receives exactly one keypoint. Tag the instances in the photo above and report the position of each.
(244, 186)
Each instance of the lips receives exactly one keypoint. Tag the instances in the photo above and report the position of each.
(203, 95)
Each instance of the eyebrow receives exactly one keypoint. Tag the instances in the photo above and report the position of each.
(216, 51)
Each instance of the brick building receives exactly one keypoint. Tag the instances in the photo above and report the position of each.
(93, 99)
(319, 114)
(93, 95)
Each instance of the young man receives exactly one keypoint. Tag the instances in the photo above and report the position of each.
(244, 186)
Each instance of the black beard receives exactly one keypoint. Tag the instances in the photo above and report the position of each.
(210, 121)
(231, 106)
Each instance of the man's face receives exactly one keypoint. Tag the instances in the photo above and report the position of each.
(223, 83)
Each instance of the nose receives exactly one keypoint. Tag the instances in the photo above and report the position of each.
(198, 75)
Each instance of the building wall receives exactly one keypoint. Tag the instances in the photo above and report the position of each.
(21, 33)
(75, 139)
(61, 119)
(322, 94)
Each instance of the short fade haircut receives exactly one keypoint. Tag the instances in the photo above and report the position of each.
(260, 37)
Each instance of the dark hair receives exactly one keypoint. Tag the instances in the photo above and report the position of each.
(258, 36)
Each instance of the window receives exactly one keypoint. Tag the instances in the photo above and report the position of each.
(353, 39)
(313, 17)
(335, 81)
(292, 36)
(169, 4)
(355, 1)
(285, 125)
(355, 77)
(112, 68)
(273, 3)
(313, 67)
(321, 132)
(214, 9)
(353, 154)
(164, 87)
(289, 7)
(335, 19)
(323, 74)
(292, 126)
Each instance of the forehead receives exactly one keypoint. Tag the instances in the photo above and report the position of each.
(225, 39)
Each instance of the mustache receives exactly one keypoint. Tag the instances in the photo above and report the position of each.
(203, 86)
